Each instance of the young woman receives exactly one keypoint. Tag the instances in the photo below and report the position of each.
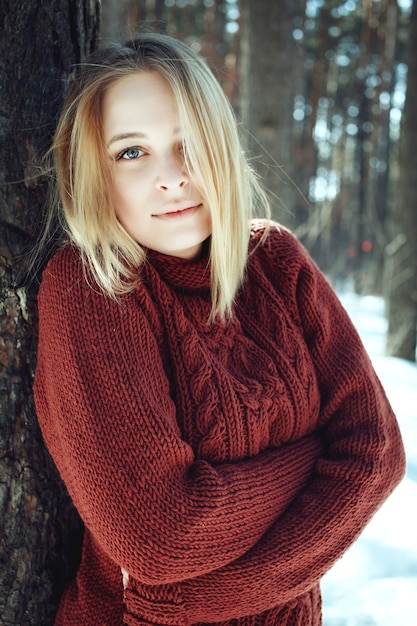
(204, 395)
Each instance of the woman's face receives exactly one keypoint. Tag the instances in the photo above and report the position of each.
(159, 204)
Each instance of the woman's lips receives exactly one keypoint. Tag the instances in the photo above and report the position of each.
(178, 213)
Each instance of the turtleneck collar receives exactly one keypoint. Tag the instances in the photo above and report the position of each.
(181, 274)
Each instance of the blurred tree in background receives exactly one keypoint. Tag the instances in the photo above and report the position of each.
(270, 67)
(401, 253)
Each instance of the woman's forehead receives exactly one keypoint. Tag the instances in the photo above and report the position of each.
(137, 104)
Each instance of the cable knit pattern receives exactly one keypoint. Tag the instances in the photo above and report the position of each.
(226, 467)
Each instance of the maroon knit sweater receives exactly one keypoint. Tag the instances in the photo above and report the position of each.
(226, 467)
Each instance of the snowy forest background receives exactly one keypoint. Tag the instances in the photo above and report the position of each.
(375, 582)
(326, 94)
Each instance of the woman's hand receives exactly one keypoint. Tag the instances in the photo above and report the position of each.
(125, 578)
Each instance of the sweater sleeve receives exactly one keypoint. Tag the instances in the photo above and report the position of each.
(362, 463)
(104, 407)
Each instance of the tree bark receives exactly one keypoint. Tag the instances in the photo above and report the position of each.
(40, 40)
(268, 86)
(401, 254)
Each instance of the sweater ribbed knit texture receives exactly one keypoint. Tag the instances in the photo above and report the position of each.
(226, 467)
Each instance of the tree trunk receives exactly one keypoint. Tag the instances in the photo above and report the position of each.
(39, 42)
(402, 252)
(268, 55)
(114, 20)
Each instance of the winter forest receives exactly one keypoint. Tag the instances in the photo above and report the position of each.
(325, 93)
(320, 87)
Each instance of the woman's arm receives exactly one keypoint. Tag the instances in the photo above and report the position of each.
(362, 464)
(107, 417)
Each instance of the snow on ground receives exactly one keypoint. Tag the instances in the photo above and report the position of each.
(375, 583)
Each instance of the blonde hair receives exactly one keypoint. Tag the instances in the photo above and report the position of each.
(213, 152)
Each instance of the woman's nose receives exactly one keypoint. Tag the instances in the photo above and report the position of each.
(172, 174)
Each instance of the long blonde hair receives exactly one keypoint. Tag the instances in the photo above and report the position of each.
(213, 152)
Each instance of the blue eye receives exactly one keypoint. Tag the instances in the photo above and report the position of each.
(131, 153)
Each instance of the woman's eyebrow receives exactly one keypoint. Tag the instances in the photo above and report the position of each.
(133, 135)
(122, 136)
